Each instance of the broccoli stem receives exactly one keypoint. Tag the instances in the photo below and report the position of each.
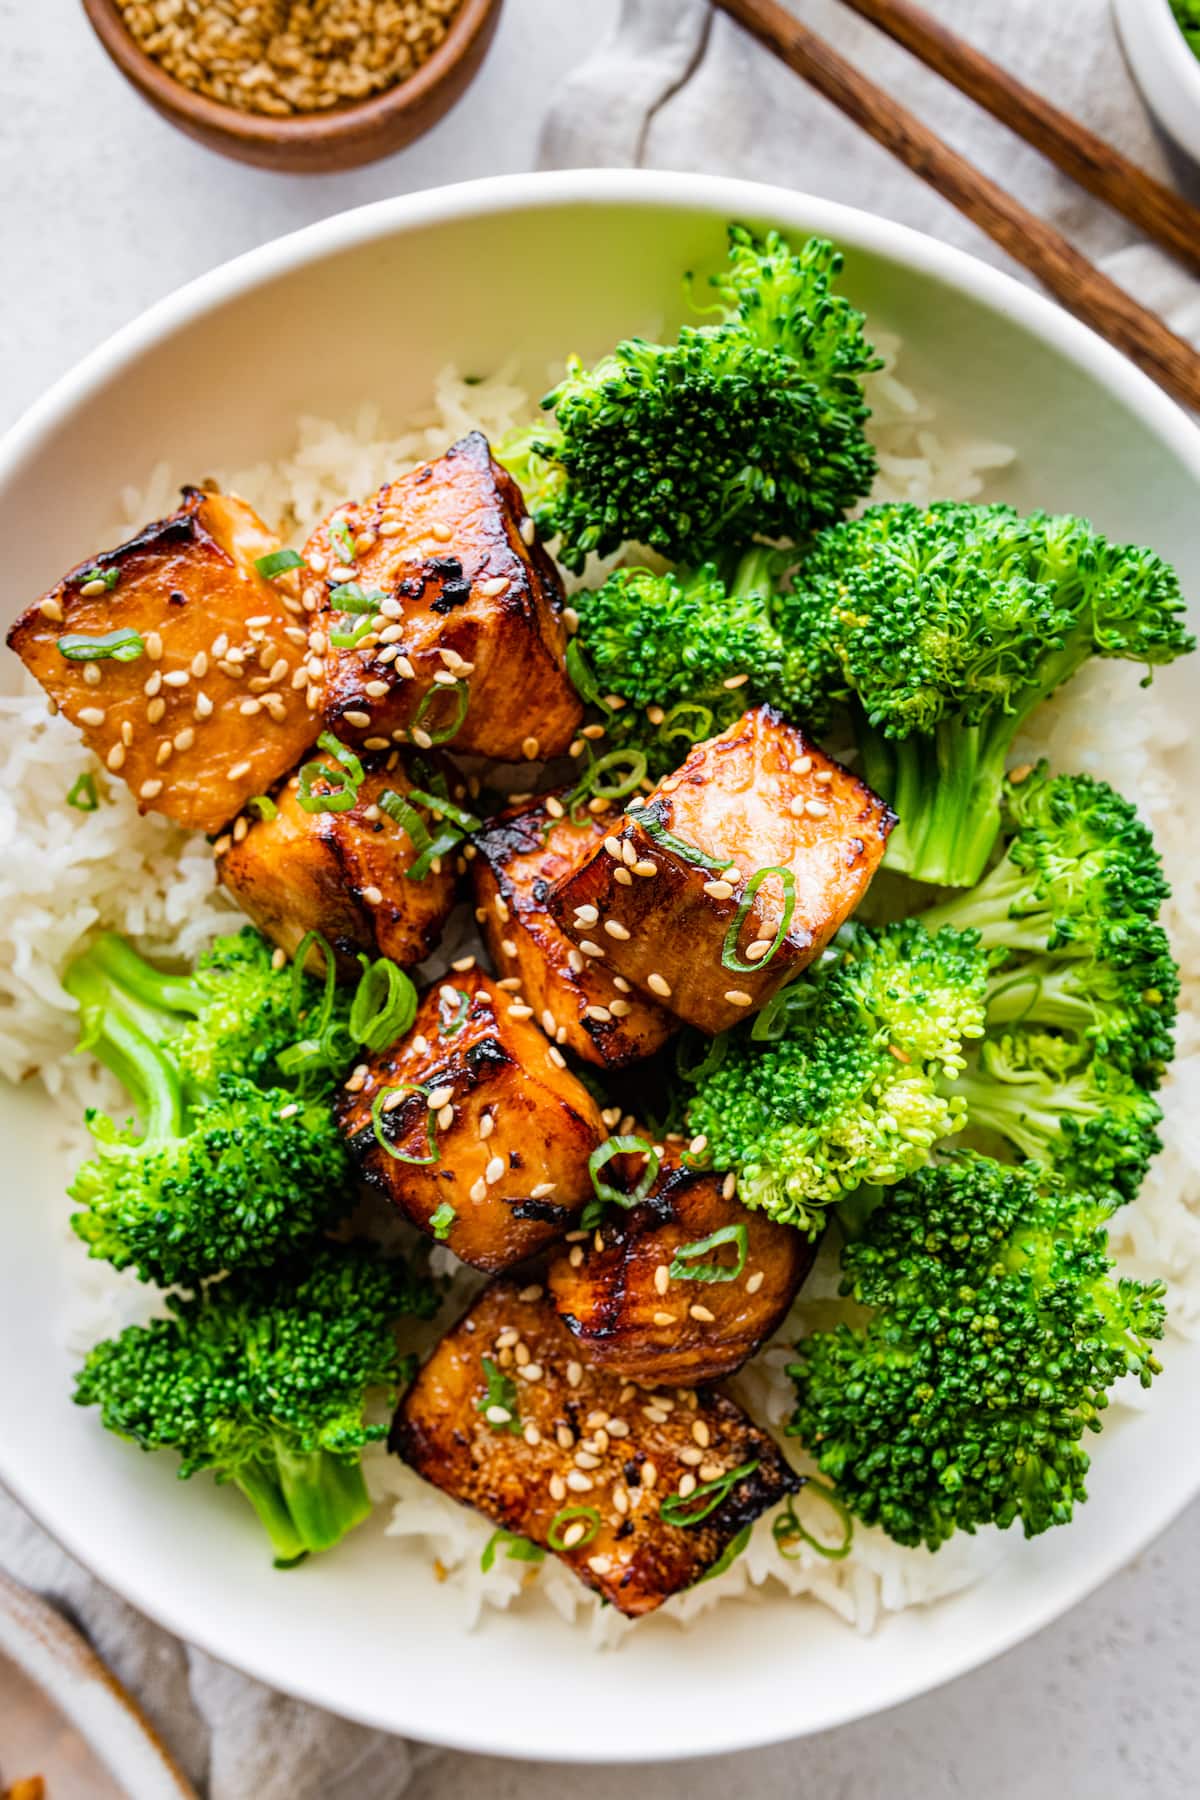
(1024, 1107)
(152, 987)
(111, 1031)
(307, 1499)
(1038, 992)
(946, 790)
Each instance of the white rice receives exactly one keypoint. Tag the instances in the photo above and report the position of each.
(65, 874)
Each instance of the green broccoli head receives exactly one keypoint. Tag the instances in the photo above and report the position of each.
(262, 1378)
(224, 1171)
(852, 1090)
(995, 1330)
(1088, 1120)
(748, 426)
(945, 627)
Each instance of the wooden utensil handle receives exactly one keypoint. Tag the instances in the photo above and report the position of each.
(1150, 205)
(1088, 293)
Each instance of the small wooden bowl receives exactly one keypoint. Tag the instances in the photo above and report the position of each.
(310, 143)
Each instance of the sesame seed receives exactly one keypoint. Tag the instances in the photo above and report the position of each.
(709, 1471)
(621, 874)
(439, 1097)
(615, 702)
(556, 1057)
(585, 1460)
(164, 753)
(758, 949)
(655, 1414)
(239, 769)
(578, 1482)
(1021, 773)
(532, 1435)
(249, 707)
(797, 805)
(589, 948)
(153, 645)
(494, 1171)
(729, 1186)
(91, 674)
(687, 1485)
(662, 1278)
(202, 706)
(508, 946)
(375, 690)
(359, 720)
(600, 1013)
(816, 809)
(658, 984)
(718, 890)
(126, 733)
(755, 1281)
(701, 1433)
(620, 1500)
(628, 854)
(276, 707)
(542, 1190)
(586, 915)
(531, 1371)
(421, 738)
(703, 1314)
(558, 1490)
(479, 1190)
(649, 1474)
(405, 668)
(520, 1011)
(802, 765)
(486, 1125)
(50, 608)
(574, 1369)
(278, 957)
(644, 867)
(150, 790)
(824, 777)
(441, 531)
(92, 715)
(185, 739)
(613, 846)
(495, 584)
(575, 1530)
(691, 1456)
(151, 687)
(575, 1255)
(289, 1111)
(615, 929)
(738, 997)
(222, 844)
(531, 1293)
(735, 681)
(445, 1118)
(554, 807)
(548, 1023)
(342, 572)
(600, 1564)
(528, 530)
(593, 732)
(529, 749)
(620, 1009)
(498, 1415)
(371, 743)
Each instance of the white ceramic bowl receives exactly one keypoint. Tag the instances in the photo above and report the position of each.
(367, 306)
(1164, 66)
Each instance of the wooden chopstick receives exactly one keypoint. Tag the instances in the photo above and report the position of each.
(1153, 207)
(1081, 287)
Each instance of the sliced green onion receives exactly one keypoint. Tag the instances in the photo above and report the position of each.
(782, 1011)
(591, 781)
(406, 817)
(677, 1509)
(684, 1266)
(501, 1392)
(729, 952)
(277, 562)
(564, 1516)
(715, 1051)
(124, 646)
(449, 1025)
(441, 845)
(350, 598)
(385, 1093)
(519, 1549)
(82, 793)
(264, 806)
(109, 577)
(728, 1556)
(349, 775)
(437, 804)
(299, 960)
(621, 1146)
(350, 640)
(339, 533)
(673, 725)
(580, 672)
(384, 1005)
(462, 700)
(787, 1529)
(653, 826)
(441, 1221)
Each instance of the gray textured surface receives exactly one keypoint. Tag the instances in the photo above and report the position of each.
(104, 209)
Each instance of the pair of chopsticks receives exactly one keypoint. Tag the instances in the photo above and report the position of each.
(1161, 214)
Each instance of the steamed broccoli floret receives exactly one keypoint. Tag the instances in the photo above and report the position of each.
(1187, 13)
(668, 645)
(853, 1090)
(1089, 1121)
(747, 426)
(945, 627)
(225, 1171)
(996, 1329)
(262, 1378)
(1069, 914)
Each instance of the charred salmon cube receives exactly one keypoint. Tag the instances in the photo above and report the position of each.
(520, 857)
(683, 1287)
(486, 1133)
(363, 878)
(467, 645)
(178, 659)
(506, 1418)
(732, 875)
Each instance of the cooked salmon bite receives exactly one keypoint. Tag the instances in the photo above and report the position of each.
(181, 657)
(683, 1287)
(744, 864)
(444, 615)
(366, 878)
(473, 1126)
(639, 1491)
(520, 856)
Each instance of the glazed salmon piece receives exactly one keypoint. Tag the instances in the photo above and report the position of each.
(468, 644)
(212, 704)
(650, 1296)
(520, 856)
(762, 796)
(348, 875)
(497, 1139)
(578, 1461)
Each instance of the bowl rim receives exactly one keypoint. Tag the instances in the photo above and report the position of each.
(328, 126)
(549, 191)
(1165, 67)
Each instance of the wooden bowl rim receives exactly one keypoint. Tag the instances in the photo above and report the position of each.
(328, 126)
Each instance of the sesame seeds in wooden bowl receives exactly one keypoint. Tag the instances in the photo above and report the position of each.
(303, 88)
